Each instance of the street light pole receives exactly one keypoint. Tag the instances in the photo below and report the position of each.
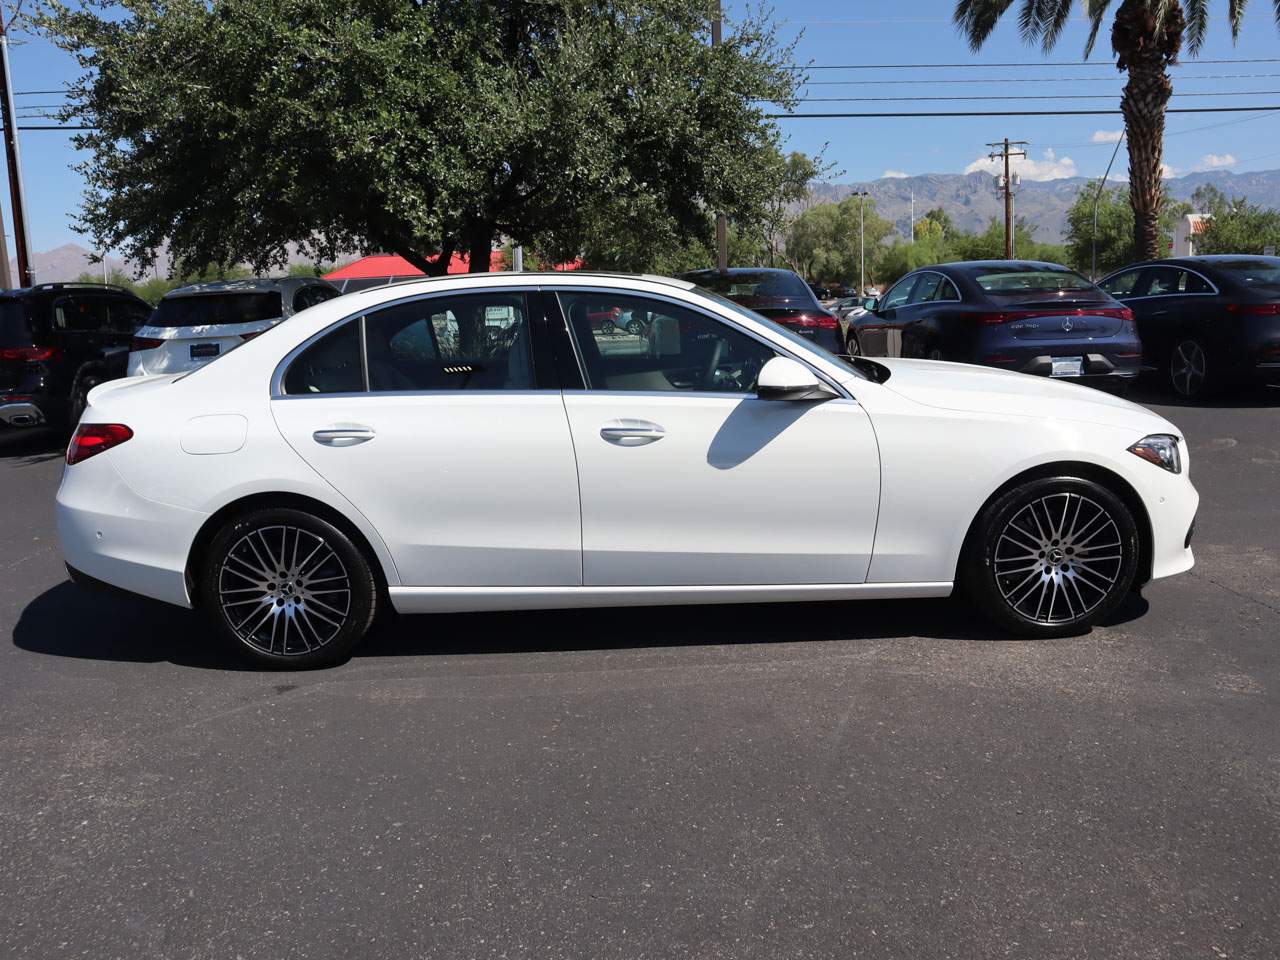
(862, 241)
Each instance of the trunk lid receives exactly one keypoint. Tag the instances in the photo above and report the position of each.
(1074, 319)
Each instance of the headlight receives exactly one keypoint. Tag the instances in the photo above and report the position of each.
(1160, 449)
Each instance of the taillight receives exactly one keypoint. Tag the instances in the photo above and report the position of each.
(93, 438)
(30, 354)
(1005, 316)
(823, 321)
(1255, 309)
(144, 343)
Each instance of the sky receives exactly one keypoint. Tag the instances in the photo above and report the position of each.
(890, 39)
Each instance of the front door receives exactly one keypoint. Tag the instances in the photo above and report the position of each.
(687, 478)
(444, 433)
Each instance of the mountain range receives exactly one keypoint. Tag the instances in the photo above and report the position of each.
(970, 199)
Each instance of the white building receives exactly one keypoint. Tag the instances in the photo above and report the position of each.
(1185, 233)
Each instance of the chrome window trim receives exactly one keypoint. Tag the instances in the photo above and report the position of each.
(1156, 296)
(840, 391)
(277, 391)
(945, 279)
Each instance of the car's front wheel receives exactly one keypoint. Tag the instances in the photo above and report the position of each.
(1051, 557)
(287, 588)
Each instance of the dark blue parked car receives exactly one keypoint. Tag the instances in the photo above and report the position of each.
(1021, 315)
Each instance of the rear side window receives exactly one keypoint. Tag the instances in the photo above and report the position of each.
(82, 314)
(926, 287)
(206, 309)
(330, 365)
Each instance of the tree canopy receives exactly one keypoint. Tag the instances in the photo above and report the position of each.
(226, 129)
(1115, 237)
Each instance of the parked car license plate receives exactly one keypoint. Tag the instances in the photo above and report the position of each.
(1067, 366)
(204, 351)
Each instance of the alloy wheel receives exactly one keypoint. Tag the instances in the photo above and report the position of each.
(284, 590)
(1058, 558)
(1187, 368)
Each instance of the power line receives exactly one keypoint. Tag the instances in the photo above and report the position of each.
(1020, 96)
(1033, 63)
(1004, 113)
(1003, 80)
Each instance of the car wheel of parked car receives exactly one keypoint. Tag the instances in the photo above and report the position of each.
(1051, 557)
(635, 328)
(851, 346)
(1189, 369)
(607, 328)
(287, 588)
(80, 397)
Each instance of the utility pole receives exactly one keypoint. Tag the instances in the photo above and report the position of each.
(912, 239)
(722, 226)
(1000, 150)
(862, 241)
(16, 193)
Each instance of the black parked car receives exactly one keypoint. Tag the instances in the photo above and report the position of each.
(1206, 322)
(1021, 315)
(57, 342)
(780, 295)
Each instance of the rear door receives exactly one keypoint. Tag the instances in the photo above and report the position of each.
(447, 430)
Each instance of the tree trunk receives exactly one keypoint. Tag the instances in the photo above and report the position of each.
(433, 267)
(479, 249)
(1145, 47)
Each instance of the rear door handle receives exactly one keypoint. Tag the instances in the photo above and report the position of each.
(631, 433)
(342, 436)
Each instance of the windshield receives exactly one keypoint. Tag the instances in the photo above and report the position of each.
(213, 308)
(1015, 279)
(760, 289)
(847, 363)
(1252, 273)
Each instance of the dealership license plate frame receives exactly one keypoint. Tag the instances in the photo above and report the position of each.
(1066, 366)
(205, 351)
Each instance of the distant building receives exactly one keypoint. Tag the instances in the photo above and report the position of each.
(1185, 233)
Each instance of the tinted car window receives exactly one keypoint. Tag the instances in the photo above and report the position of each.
(899, 294)
(330, 365)
(926, 287)
(1122, 284)
(312, 295)
(1164, 280)
(763, 289)
(13, 323)
(1193, 283)
(679, 349)
(1252, 273)
(203, 309)
(1016, 279)
(82, 314)
(128, 315)
(472, 342)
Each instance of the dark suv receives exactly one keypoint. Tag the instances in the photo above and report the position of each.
(57, 342)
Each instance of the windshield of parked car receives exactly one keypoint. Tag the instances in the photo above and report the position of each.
(863, 368)
(1252, 273)
(204, 309)
(763, 290)
(1016, 279)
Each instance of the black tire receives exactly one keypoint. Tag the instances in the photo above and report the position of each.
(635, 328)
(607, 328)
(79, 398)
(283, 622)
(1033, 565)
(851, 346)
(1188, 369)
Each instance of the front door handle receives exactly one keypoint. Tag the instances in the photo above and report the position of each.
(342, 436)
(631, 433)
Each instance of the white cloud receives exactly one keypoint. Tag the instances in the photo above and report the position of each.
(1049, 167)
(1212, 161)
(1167, 172)
(894, 175)
(1107, 136)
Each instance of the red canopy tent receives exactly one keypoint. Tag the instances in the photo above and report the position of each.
(379, 268)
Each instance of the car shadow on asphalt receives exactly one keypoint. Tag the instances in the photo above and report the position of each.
(1149, 391)
(70, 621)
(36, 445)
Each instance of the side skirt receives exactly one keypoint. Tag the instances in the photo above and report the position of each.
(474, 599)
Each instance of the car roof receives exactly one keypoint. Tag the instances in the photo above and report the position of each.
(736, 270)
(70, 286)
(246, 285)
(1000, 264)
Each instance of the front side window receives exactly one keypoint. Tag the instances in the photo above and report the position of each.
(465, 342)
(899, 294)
(676, 349)
(1122, 284)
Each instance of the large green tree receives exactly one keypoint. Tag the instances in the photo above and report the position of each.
(1115, 235)
(825, 242)
(1146, 37)
(228, 129)
(1239, 226)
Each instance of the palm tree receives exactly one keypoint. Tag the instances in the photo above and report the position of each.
(1146, 37)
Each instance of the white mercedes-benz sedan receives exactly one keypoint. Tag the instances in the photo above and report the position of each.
(478, 443)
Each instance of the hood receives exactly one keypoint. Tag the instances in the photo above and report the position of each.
(975, 389)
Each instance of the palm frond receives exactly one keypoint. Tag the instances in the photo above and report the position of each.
(1097, 10)
(1054, 24)
(977, 18)
(1197, 23)
(1277, 3)
(1235, 14)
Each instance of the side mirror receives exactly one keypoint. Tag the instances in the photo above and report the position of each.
(870, 304)
(785, 379)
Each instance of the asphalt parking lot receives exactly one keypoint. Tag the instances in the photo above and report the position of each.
(817, 780)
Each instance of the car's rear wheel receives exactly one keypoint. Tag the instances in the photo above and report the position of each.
(80, 397)
(1051, 557)
(1188, 369)
(287, 588)
(851, 346)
